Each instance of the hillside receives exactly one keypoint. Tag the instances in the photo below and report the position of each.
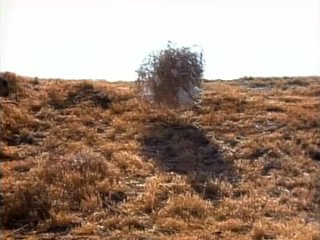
(89, 160)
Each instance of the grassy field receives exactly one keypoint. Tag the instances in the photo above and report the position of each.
(89, 160)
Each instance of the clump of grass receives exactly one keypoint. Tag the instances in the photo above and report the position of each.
(186, 207)
(16, 125)
(76, 176)
(152, 197)
(28, 204)
(56, 99)
(85, 92)
(85, 86)
(8, 84)
(260, 233)
(171, 225)
(59, 222)
(86, 229)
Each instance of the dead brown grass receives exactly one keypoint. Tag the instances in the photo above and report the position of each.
(87, 159)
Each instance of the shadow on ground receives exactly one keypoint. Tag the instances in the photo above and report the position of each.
(186, 150)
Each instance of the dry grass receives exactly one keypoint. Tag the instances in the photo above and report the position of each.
(87, 159)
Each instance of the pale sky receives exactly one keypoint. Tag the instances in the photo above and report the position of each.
(108, 39)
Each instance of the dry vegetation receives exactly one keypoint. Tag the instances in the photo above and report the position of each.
(171, 76)
(88, 160)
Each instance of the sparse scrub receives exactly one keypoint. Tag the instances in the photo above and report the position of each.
(243, 166)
